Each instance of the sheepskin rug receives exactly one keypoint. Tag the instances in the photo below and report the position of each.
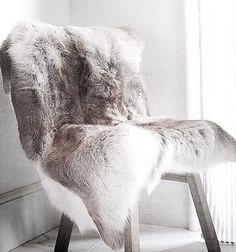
(81, 109)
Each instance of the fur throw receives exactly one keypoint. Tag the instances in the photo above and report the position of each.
(79, 103)
(61, 75)
(108, 166)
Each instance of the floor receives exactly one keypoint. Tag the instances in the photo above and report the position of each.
(152, 239)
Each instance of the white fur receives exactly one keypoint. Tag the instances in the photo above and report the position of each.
(133, 154)
(106, 165)
(67, 202)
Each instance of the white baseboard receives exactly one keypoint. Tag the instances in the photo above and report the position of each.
(24, 214)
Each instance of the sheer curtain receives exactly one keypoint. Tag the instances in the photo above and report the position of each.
(215, 40)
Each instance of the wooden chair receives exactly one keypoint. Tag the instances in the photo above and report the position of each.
(131, 234)
(69, 92)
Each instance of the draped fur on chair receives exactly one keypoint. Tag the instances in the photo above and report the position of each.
(81, 106)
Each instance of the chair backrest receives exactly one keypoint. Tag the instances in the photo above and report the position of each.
(59, 75)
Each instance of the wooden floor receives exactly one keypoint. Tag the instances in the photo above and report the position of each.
(153, 239)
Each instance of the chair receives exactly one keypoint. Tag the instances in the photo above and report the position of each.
(68, 75)
(131, 234)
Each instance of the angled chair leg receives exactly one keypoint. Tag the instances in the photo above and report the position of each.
(131, 234)
(64, 234)
(203, 212)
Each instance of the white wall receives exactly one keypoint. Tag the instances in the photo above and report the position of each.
(161, 25)
(25, 216)
(53, 11)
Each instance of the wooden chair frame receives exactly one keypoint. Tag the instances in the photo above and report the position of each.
(131, 234)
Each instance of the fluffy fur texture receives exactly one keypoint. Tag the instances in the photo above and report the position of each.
(61, 75)
(107, 166)
(79, 102)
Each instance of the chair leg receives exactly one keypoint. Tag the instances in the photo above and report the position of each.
(131, 234)
(64, 234)
(203, 212)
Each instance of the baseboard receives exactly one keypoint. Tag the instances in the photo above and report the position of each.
(24, 214)
(20, 192)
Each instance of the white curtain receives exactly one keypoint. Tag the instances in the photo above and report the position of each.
(217, 48)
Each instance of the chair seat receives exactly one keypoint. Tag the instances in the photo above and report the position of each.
(174, 176)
